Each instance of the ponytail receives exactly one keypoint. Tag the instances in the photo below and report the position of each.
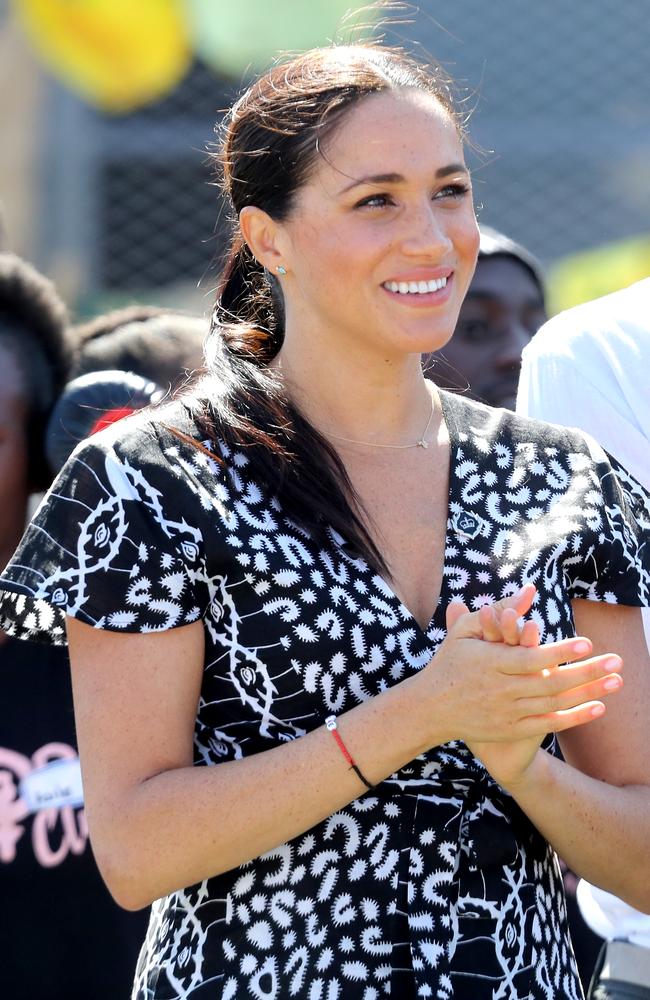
(242, 402)
(248, 306)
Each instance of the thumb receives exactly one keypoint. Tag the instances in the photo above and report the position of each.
(464, 624)
(455, 611)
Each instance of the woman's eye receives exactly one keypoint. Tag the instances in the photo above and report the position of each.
(374, 201)
(453, 191)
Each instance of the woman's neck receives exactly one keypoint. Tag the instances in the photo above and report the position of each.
(365, 400)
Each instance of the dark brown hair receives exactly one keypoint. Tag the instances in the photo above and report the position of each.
(34, 328)
(271, 140)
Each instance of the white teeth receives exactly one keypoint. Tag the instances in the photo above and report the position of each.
(416, 287)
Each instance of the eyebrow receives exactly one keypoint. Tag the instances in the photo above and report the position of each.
(451, 168)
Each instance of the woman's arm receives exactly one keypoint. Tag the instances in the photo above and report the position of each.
(595, 809)
(158, 823)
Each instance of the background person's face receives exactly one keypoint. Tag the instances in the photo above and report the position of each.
(503, 309)
(14, 488)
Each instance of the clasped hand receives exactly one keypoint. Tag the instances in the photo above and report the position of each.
(503, 692)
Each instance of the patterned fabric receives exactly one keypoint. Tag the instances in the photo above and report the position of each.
(432, 885)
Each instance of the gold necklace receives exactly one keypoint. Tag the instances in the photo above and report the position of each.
(421, 443)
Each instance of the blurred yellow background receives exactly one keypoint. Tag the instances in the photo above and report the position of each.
(108, 107)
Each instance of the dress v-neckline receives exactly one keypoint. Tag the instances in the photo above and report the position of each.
(449, 417)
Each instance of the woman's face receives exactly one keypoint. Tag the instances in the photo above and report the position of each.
(382, 238)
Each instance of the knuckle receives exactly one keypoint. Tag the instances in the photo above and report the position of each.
(552, 703)
(524, 660)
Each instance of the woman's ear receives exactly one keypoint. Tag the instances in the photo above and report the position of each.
(263, 237)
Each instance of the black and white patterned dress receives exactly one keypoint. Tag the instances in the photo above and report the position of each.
(434, 884)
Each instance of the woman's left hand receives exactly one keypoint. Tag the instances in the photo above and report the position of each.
(506, 762)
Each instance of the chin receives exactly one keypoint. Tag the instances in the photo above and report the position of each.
(427, 343)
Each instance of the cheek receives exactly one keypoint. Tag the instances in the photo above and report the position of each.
(319, 250)
(464, 233)
(470, 238)
(330, 257)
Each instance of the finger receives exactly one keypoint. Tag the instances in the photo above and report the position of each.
(558, 722)
(492, 632)
(465, 624)
(571, 698)
(569, 675)
(455, 610)
(529, 635)
(521, 602)
(510, 627)
(528, 661)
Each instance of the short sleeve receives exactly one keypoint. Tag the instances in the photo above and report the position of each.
(113, 544)
(610, 560)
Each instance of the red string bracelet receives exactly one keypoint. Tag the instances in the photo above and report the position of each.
(330, 722)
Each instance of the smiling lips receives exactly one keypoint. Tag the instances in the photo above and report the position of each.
(416, 287)
(420, 287)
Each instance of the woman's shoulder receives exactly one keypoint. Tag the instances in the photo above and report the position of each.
(496, 425)
(163, 438)
(564, 456)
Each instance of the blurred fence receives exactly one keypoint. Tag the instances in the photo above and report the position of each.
(134, 196)
(561, 98)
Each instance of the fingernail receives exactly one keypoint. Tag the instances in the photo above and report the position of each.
(613, 663)
(597, 710)
(612, 683)
(581, 647)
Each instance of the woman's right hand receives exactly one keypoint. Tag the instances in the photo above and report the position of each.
(491, 691)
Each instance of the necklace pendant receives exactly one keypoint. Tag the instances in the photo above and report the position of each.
(422, 444)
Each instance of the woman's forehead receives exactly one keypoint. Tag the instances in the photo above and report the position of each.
(391, 132)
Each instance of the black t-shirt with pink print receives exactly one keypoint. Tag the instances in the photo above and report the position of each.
(62, 936)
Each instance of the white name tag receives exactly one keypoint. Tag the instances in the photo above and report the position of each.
(51, 787)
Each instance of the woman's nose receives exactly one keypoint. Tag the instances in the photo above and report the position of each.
(425, 233)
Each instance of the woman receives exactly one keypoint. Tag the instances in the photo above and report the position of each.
(283, 549)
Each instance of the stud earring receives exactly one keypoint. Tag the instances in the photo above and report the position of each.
(281, 269)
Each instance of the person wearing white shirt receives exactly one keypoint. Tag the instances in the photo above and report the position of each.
(589, 367)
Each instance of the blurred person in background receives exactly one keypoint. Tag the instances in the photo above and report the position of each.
(123, 361)
(158, 345)
(88, 404)
(504, 307)
(62, 937)
(589, 367)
